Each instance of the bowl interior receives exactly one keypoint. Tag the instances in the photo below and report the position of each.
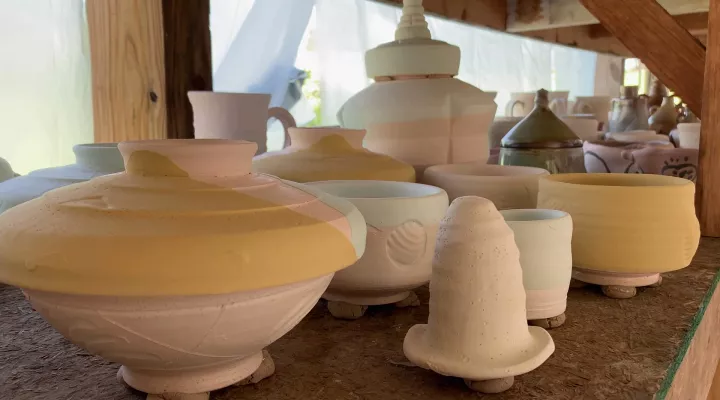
(522, 215)
(619, 180)
(474, 169)
(376, 189)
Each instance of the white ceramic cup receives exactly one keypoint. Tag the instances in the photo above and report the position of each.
(689, 134)
(402, 221)
(544, 238)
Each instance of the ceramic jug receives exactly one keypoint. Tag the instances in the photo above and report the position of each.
(665, 117)
(236, 116)
(629, 112)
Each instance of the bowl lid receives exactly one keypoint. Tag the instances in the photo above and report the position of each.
(541, 129)
(186, 218)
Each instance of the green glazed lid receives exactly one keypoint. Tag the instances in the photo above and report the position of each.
(541, 129)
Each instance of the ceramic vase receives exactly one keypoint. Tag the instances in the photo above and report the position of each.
(416, 111)
(477, 327)
(240, 249)
(91, 160)
(664, 119)
(689, 135)
(402, 222)
(637, 136)
(627, 228)
(241, 116)
(629, 112)
(331, 153)
(506, 186)
(599, 106)
(544, 238)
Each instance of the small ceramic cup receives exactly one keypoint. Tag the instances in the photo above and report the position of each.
(544, 238)
(689, 134)
(402, 221)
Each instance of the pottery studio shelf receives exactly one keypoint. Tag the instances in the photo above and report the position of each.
(656, 344)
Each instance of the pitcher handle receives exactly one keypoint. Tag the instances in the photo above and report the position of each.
(286, 119)
(510, 108)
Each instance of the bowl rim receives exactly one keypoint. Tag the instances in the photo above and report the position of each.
(425, 191)
(452, 170)
(591, 180)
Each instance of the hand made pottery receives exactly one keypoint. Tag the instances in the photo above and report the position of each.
(402, 222)
(236, 116)
(664, 119)
(598, 106)
(319, 154)
(477, 328)
(184, 267)
(91, 160)
(629, 112)
(627, 228)
(584, 128)
(637, 136)
(544, 238)
(689, 135)
(506, 186)
(416, 111)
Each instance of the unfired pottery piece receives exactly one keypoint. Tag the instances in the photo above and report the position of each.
(331, 153)
(402, 222)
(91, 160)
(599, 106)
(506, 186)
(689, 135)
(637, 136)
(628, 228)
(544, 239)
(477, 328)
(184, 267)
(416, 111)
(238, 116)
(664, 119)
(584, 128)
(629, 112)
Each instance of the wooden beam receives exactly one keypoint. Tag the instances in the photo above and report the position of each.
(650, 33)
(581, 37)
(529, 15)
(145, 56)
(708, 185)
(487, 13)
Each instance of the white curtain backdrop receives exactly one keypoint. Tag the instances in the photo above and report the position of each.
(45, 102)
(492, 61)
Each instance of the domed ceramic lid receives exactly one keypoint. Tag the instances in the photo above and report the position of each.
(413, 52)
(331, 153)
(187, 218)
(541, 129)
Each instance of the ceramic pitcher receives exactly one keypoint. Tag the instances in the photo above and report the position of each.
(629, 112)
(237, 116)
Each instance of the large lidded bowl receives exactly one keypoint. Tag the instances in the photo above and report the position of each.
(402, 222)
(184, 267)
(331, 153)
(91, 160)
(628, 228)
(507, 186)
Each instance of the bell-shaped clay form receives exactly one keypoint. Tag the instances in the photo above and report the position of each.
(477, 328)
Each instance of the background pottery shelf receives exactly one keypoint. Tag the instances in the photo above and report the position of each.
(653, 343)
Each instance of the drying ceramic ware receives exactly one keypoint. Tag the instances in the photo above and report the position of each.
(544, 239)
(402, 222)
(91, 160)
(558, 103)
(627, 228)
(583, 125)
(660, 158)
(542, 140)
(416, 111)
(506, 186)
(319, 154)
(689, 135)
(477, 327)
(241, 116)
(500, 127)
(6, 171)
(637, 136)
(629, 112)
(520, 104)
(598, 106)
(183, 268)
(656, 95)
(665, 117)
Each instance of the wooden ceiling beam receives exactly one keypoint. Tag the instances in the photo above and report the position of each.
(487, 13)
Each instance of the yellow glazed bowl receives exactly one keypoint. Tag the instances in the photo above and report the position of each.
(626, 223)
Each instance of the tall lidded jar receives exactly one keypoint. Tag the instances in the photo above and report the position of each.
(416, 111)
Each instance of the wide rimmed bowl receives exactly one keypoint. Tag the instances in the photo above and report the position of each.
(628, 228)
(507, 186)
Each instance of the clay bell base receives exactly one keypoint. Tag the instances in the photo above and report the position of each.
(195, 383)
(549, 323)
(350, 311)
(616, 285)
(366, 298)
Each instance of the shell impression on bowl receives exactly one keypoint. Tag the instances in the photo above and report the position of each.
(628, 228)
(544, 239)
(477, 327)
(403, 220)
(331, 153)
(508, 187)
(155, 267)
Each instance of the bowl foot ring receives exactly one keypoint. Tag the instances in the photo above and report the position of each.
(343, 310)
(265, 370)
(410, 301)
(619, 292)
(549, 323)
(491, 386)
(657, 284)
(576, 284)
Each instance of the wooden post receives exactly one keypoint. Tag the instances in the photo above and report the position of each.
(146, 55)
(655, 37)
(708, 187)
